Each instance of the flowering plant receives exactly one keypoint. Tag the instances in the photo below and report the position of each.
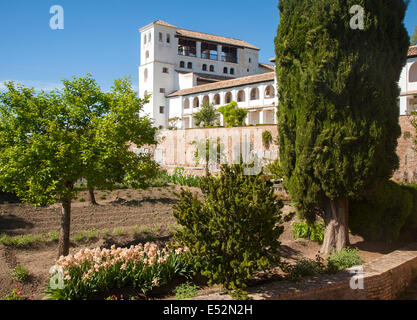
(16, 294)
(98, 270)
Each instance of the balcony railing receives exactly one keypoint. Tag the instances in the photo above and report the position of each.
(209, 56)
(186, 53)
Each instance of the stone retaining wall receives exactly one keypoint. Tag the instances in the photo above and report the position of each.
(176, 148)
(383, 279)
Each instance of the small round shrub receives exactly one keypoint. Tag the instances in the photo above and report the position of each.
(20, 273)
(345, 258)
(234, 231)
(313, 232)
(384, 215)
(186, 291)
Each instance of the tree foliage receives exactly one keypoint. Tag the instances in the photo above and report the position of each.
(50, 141)
(383, 215)
(413, 40)
(235, 230)
(207, 116)
(233, 116)
(338, 114)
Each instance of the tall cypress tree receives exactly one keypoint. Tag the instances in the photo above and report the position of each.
(338, 117)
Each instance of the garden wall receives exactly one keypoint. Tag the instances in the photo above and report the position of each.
(408, 157)
(383, 279)
(176, 148)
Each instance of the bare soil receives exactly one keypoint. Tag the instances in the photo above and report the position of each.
(149, 211)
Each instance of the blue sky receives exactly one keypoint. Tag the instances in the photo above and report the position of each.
(101, 36)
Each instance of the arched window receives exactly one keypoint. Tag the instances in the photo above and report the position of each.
(225, 70)
(182, 64)
(196, 103)
(189, 65)
(269, 92)
(216, 99)
(211, 68)
(232, 71)
(145, 93)
(254, 94)
(241, 96)
(206, 100)
(228, 97)
(413, 73)
(204, 67)
(186, 103)
(147, 54)
(145, 75)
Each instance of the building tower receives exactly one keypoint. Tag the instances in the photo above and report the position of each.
(173, 59)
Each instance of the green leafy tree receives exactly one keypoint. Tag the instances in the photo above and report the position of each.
(235, 230)
(338, 114)
(50, 141)
(207, 116)
(413, 40)
(233, 116)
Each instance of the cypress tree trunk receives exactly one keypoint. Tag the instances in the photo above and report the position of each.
(336, 235)
(92, 197)
(64, 233)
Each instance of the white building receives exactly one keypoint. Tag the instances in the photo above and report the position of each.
(408, 83)
(183, 69)
(175, 59)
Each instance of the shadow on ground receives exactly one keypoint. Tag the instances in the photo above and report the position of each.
(135, 203)
(11, 222)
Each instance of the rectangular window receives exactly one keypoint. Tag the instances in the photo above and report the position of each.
(160, 37)
(164, 70)
(162, 90)
(168, 38)
(161, 110)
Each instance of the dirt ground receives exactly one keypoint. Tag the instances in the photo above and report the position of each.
(149, 213)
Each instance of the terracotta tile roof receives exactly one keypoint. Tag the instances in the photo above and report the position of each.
(267, 66)
(269, 76)
(412, 51)
(163, 23)
(215, 38)
(207, 36)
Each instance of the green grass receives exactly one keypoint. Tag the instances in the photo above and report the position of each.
(20, 273)
(28, 239)
(119, 231)
(186, 291)
(86, 235)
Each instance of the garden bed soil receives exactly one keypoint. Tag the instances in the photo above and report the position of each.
(147, 213)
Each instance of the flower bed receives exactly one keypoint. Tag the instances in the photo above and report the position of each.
(96, 271)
